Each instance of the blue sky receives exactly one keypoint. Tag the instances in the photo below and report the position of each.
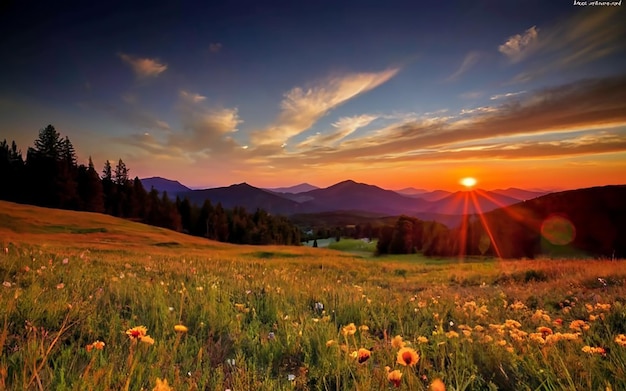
(395, 93)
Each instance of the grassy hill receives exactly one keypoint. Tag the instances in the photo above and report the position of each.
(76, 286)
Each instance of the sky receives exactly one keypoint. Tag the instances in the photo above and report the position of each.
(397, 94)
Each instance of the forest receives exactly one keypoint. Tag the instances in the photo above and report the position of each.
(50, 176)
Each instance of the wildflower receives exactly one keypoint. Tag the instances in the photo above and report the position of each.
(330, 342)
(407, 356)
(395, 377)
(179, 328)
(65, 261)
(161, 385)
(437, 385)
(544, 331)
(137, 332)
(452, 334)
(620, 339)
(363, 355)
(60, 286)
(363, 328)
(6, 284)
(397, 342)
(579, 325)
(537, 337)
(593, 350)
(349, 329)
(98, 345)
(147, 340)
(422, 340)
(291, 377)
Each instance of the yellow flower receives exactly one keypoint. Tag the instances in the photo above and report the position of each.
(452, 334)
(363, 328)
(407, 356)
(579, 325)
(179, 328)
(395, 377)
(397, 342)
(330, 342)
(621, 340)
(137, 332)
(147, 339)
(363, 355)
(161, 385)
(349, 329)
(422, 339)
(437, 385)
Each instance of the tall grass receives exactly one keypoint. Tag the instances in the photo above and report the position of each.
(272, 318)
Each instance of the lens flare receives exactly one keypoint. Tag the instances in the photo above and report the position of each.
(558, 230)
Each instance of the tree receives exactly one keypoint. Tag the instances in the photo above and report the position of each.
(121, 173)
(49, 144)
(90, 188)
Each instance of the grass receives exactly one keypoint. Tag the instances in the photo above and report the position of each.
(277, 318)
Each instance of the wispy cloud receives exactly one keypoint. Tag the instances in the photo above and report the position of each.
(301, 108)
(143, 67)
(582, 39)
(469, 61)
(506, 95)
(588, 106)
(191, 96)
(518, 46)
(206, 132)
(344, 127)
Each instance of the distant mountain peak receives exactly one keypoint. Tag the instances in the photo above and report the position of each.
(163, 184)
(300, 188)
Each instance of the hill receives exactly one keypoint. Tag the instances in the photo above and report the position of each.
(590, 222)
(162, 184)
(244, 195)
(51, 227)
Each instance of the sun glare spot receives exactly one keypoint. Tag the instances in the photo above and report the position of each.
(468, 182)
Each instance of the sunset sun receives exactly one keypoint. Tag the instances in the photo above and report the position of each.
(468, 182)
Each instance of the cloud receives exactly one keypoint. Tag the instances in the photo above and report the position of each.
(506, 95)
(205, 133)
(191, 96)
(143, 67)
(544, 119)
(344, 127)
(582, 39)
(301, 108)
(470, 59)
(518, 46)
(215, 47)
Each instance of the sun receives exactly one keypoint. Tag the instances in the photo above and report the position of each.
(468, 182)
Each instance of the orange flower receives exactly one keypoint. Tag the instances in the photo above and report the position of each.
(98, 345)
(437, 385)
(395, 377)
(363, 355)
(407, 356)
(137, 332)
(544, 331)
(161, 385)
(147, 339)
(621, 340)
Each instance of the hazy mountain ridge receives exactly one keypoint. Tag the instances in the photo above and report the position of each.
(349, 195)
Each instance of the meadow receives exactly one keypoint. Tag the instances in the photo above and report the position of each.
(91, 302)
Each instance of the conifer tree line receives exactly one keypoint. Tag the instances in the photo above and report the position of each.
(51, 177)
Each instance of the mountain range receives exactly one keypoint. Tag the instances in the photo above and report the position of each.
(351, 196)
